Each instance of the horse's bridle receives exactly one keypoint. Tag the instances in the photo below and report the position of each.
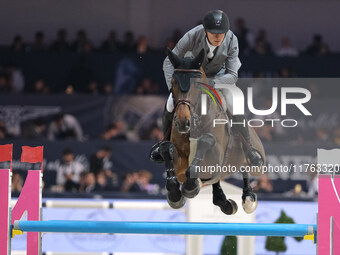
(185, 101)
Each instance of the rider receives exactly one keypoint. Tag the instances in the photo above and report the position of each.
(221, 64)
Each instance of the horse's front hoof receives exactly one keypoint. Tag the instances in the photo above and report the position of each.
(190, 192)
(228, 207)
(249, 204)
(176, 204)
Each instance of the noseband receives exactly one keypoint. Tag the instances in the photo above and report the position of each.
(185, 101)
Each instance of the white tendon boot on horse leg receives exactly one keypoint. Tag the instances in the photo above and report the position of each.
(249, 198)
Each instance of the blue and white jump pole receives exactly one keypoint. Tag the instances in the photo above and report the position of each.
(174, 228)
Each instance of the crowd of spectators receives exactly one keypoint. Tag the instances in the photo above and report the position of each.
(81, 43)
(308, 189)
(11, 79)
(98, 175)
(249, 43)
(66, 127)
(75, 177)
(258, 44)
(81, 78)
(318, 135)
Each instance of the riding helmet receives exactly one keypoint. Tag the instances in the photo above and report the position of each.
(216, 22)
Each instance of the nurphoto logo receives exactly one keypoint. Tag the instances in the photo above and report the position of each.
(237, 98)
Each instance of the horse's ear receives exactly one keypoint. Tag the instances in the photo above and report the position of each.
(198, 60)
(174, 59)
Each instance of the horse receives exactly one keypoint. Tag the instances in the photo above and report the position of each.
(195, 143)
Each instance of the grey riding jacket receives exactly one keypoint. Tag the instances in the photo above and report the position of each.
(222, 68)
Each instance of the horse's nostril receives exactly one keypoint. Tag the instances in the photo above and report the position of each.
(187, 123)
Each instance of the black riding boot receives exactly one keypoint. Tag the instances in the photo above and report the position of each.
(167, 121)
(253, 157)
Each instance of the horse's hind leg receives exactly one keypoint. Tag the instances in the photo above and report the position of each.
(191, 187)
(227, 206)
(249, 198)
(175, 198)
